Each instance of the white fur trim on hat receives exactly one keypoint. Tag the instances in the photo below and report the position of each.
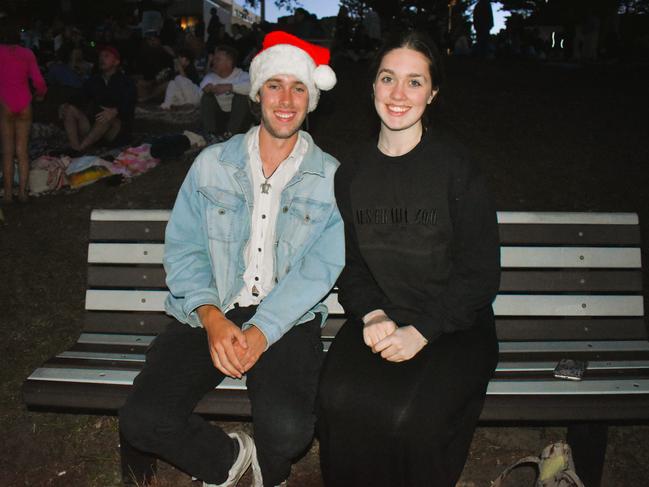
(290, 60)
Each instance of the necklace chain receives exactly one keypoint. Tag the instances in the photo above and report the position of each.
(265, 186)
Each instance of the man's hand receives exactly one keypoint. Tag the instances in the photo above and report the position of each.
(377, 327)
(257, 344)
(403, 344)
(222, 335)
(106, 114)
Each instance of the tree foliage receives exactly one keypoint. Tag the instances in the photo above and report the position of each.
(576, 7)
(280, 4)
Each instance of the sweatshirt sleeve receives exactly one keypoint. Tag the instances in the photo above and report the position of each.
(358, 291)
(475, 270)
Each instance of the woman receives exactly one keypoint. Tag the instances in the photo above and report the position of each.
(18, 68)
(183, 89)
(405, 378)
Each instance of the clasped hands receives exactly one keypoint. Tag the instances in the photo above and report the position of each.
(395, 344)
(218, 89)
(233, 351)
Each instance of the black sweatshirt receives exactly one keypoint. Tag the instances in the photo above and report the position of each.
(421, 237)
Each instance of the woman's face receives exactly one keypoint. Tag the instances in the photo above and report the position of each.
(402, 88)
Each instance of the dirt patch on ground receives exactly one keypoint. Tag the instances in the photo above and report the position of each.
(548, 138)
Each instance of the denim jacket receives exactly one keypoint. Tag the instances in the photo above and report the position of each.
(209, 227)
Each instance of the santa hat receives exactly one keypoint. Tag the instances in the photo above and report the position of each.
(283, 53)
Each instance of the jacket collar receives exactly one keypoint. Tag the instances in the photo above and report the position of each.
(235, 153)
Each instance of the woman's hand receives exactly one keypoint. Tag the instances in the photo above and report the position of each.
(376, 327)
(403, 344)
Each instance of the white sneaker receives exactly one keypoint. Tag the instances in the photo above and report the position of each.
(246, 453)
(257, 479)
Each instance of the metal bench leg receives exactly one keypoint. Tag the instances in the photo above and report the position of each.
(138, 468)
(588, 443)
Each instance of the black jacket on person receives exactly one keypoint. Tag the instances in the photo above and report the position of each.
(421, 237)
(117, 92)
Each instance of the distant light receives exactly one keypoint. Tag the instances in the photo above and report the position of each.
(561, 44)
(92, 43)
(553, 42)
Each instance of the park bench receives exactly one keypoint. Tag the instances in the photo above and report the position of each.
(571, 287)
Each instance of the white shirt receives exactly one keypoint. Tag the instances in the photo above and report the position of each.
(259, 276)
(240, 81)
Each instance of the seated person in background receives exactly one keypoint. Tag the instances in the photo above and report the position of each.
(183, 89)
(156, 63)
(224, 104)
(63, 72)
(106, 112)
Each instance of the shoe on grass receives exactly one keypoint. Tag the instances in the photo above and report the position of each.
(246, 453)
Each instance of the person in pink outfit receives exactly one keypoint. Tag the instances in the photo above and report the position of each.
(18, 69)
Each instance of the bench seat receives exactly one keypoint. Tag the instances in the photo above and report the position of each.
(571, 287)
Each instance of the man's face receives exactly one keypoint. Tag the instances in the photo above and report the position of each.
(284, 103)
(222, 64)
(108, 62)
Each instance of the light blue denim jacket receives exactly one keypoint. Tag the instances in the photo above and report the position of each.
(210, 225)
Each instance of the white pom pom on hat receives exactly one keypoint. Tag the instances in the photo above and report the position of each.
(284, 53)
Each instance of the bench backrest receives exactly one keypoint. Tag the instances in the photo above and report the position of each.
(571, 287)
(566, 276)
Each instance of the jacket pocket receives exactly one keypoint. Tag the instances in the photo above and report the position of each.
(224, 214)
(300, 219)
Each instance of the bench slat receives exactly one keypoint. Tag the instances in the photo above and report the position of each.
(130, 215)
(567, 218)
(571, 281)
(153, 277)
(547, 328)
(510, 257)
(141, 231)
(496, 387)
(546, 217)
(527, 347)
(504, 305)
(504, 366)
(569, 257)
(510, 234)
(570, 234)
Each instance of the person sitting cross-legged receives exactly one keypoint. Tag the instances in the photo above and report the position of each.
(224, 105)
(106, 109)
(253, 245)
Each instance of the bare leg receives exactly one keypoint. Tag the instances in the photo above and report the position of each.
(76, 125)
(7, 129)
(23, 127)
(100, 130)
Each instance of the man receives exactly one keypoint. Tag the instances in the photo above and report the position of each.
(156, 63)
(254, 243)
(224, 103)
(109, 98)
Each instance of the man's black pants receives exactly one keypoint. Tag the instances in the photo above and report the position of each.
(216, 121)
(158, 415)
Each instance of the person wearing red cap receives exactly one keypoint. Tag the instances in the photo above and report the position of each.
(107, 108)
(253, 246)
